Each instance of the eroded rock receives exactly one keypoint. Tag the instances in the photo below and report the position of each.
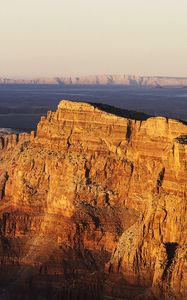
(94, 200)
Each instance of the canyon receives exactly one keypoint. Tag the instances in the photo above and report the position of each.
(126, 80)
(93, 205)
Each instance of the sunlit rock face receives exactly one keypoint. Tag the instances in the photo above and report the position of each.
(93, 206)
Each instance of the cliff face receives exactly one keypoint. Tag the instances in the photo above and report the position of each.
(128, 80)
(94, 205)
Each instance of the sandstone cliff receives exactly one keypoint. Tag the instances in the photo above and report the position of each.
(94, 206)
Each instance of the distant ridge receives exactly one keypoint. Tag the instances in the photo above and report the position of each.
(126, 80)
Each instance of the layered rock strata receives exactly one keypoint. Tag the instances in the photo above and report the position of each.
(126, 80)
(94, 206)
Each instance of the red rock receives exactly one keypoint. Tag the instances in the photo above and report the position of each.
(95, 193)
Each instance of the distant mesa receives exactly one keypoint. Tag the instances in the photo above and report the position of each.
(124, 80)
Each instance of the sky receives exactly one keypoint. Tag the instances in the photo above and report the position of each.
(47, 38)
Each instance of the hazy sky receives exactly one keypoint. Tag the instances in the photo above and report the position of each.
(77, 37)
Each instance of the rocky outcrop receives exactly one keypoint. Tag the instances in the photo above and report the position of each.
(127, 80)
(95, 205)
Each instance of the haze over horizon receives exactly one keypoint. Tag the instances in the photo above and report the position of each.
(84, 37)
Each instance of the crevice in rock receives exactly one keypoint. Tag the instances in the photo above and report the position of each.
(2, 143)
(87, 174)
(170, 251)
(5, 218)
(131, 175)
(160, 179)
(69, 139)
(107, 199)
(95, 220)
(3, 181)
(129, 131)
(132, 169)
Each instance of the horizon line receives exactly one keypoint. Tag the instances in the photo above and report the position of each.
(88, 75)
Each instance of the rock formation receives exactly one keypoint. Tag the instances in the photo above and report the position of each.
(93, 206)
(126, 80)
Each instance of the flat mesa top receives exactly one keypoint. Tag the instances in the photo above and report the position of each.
(110, 112)
(76, 106)
(84, 107)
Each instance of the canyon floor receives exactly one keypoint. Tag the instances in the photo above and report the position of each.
(93, 206)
